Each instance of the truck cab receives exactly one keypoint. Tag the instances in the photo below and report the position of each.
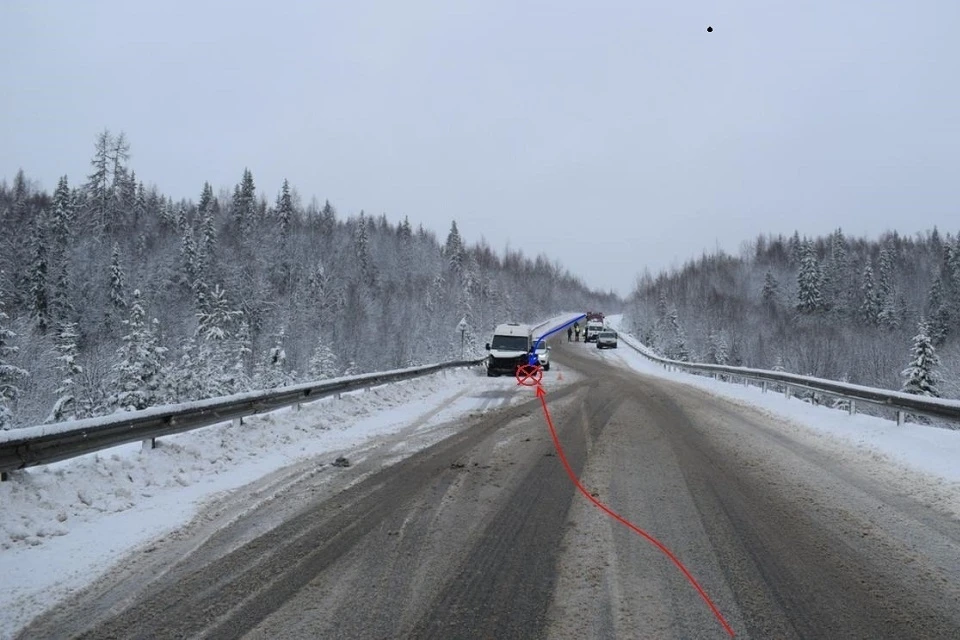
(509, 349)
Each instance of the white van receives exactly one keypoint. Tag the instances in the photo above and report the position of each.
(593, 329)
(509, 349)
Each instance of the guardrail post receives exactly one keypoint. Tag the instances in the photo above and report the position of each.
(237, 422)
(787, 391)
(3, 476)
(746, 381)
(853, 407)
(763, 386)
(297, 406)
(149, 443)
(901, 416)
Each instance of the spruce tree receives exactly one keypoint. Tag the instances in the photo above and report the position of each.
(117, 304)
(939, 312)
(240, 368)
(188, 257)
(921, 376)
(891, 312)
(453, 249)
(836, 275)
(65, 407)
(208, 230)
(39, 294)
(885, 272)
(869, 303)
(245, 202)
(215, 330)
(809, 281)
(62, 218)
(328, 219)
(770, 294)
(323, 363)
(63, 309)
(138, 380)
(795, 247)
(361, 243)
(284, 209)
(718, 351)
(10, 374)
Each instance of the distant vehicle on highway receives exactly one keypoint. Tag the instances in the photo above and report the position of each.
(509, 349)
(594, 327)
(607, 339)
(543, 354)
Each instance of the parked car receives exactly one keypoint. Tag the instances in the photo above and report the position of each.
(607, 339)
(543, 355)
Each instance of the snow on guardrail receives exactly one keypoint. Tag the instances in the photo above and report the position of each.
(902, 403)
(20, 448)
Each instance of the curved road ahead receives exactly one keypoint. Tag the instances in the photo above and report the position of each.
(482, 536)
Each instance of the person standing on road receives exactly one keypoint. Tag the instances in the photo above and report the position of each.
(569, 334)
(576, 331)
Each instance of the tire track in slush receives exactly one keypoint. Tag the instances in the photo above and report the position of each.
(503, 587)
(232, 594)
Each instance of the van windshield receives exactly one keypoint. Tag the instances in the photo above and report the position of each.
(509, 343)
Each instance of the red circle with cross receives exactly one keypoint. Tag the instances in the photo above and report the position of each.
(529, 375)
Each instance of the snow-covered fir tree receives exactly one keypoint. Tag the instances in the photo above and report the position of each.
(117, 302)
(10, 374)
(284, 209)
(215, 330)
(139, 380)
(241, 357)
(921, 376)
(453, 249)
(890, 312)
(323, 363)
(719, 352)
(770, 294)
(69, 369)
(809, 282)
(869, 311)
(39, 293)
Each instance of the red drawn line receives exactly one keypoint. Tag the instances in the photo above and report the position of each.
(616, 516)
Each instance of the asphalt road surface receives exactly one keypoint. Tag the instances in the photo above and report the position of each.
(483, 536)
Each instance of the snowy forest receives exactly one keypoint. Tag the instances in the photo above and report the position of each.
(114, 296)
(882, 313)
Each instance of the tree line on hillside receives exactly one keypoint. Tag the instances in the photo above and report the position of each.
(851, 309)
(116, 297)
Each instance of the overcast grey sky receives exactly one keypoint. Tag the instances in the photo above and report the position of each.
(615, 136)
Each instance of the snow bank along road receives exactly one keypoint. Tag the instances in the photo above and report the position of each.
(481, 535)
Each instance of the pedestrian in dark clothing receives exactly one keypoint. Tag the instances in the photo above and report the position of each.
(569, 334)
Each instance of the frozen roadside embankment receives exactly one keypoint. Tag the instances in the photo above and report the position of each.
(65, 524)
(931, 451)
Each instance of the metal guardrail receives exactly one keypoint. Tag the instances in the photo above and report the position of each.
(902, 403)
(44, 444)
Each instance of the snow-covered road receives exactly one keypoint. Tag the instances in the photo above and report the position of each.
(65, 524)
(931, 451)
